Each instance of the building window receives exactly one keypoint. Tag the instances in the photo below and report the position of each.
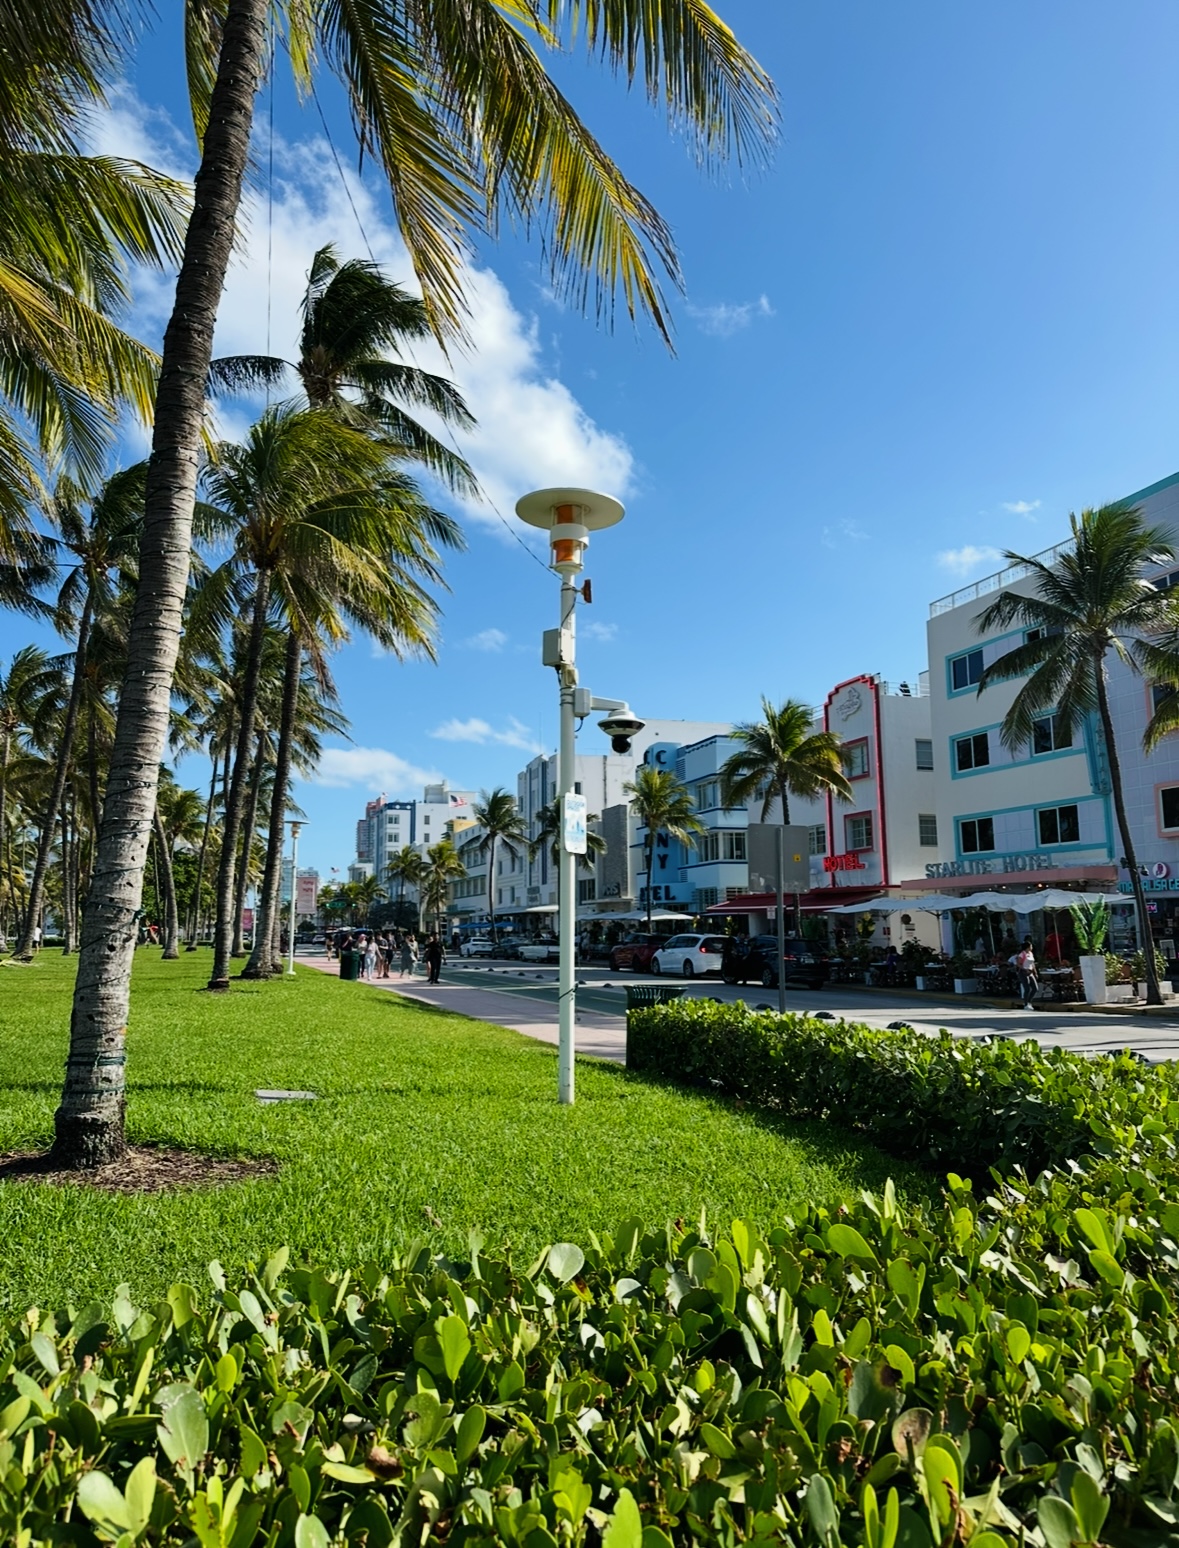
(706, 795)
(1059, 825)
(972, 752)
(576, 787)
(1169, 809)
(1050, 734)
(966, 670)
(927, 829)
(733, 892)
(587, 891)
(817, 839)
(859, 831)
(1159, 694)
(706, 897)
(708, 846)
(924, 753)
(855, 759)
(733, 846)
(1032, 635)
(978, 834)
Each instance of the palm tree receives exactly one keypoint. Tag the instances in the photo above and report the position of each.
(354, 318)
(101, 537)
(1090, 601)
(407, 869)
(30, 676)
(780, 756)
(661, 802)
(322, 524)
(502, 823)
(367, 893)
(443, 866)
(467, 125)
(548, 832)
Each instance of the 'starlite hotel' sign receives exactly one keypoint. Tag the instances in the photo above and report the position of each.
(1032, 862)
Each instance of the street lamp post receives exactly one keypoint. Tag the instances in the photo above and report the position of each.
(295, 827)
(569, 516)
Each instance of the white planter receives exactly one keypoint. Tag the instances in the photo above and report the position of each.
(966, 986)
(1164, 989)
(1119, 991)
(1093, 978)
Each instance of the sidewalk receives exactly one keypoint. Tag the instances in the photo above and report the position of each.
(599, 1035)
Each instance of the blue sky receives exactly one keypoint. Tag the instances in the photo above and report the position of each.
(945, 316)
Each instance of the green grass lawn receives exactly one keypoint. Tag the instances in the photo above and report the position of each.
(422, 1117)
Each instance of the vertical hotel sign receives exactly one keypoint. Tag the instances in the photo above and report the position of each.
(305, 891)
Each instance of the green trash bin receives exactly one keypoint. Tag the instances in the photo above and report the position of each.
(639, 996)
(349, 961)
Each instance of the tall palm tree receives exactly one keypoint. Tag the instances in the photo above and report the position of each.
(29, 678)
(322, 523)
(1090, 601)
(780, 756)
(662, 804)
(456, 106)
(354, 318)
(100, 539)
(502, 823)
(443, 865)
(548, 833)
(406, 868)
(368, 892)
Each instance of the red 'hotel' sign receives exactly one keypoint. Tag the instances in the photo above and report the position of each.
(843, 863)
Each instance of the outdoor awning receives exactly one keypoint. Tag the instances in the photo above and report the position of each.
(819, 900)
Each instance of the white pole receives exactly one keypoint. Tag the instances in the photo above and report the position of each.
(294, 893)
(566, 863)
(781, 922)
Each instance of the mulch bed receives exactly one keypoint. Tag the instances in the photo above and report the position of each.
(143, 1169)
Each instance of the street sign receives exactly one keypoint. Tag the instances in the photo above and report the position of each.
(762, 849)
(305, 895)
(574, 834)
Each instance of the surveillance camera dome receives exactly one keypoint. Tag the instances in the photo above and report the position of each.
(620, 726)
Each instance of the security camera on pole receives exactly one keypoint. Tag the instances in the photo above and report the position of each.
(569, 516)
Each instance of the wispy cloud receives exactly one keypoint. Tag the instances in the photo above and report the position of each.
(487, 639)
(602, 632)
(483, 733)
(843, 533)
(373, 768)
(1022, 507)
(961, 561)
(728, 317)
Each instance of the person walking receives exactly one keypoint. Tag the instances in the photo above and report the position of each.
(433, 956)
(370, 958)
(409, 954)
(1025, 967)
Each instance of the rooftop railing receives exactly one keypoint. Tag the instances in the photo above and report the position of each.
(995, 582)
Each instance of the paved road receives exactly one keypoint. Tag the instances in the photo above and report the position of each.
(525, 997)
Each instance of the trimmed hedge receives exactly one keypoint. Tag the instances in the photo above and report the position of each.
(948, 1102)
(995, 1372)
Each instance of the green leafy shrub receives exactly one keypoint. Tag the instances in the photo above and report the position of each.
(1091, 927)
(944, 1101)
(991, 1372)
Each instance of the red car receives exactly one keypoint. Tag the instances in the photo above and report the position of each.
(636, 952)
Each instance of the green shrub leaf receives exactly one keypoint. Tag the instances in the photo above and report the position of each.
(566, 1261)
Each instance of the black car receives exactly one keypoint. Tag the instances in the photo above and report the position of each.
(755, 958)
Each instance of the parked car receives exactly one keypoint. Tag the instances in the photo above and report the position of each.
(546, 949)
(688, 955)
(510, 949)
(478, 946)
(636, 952)
(755, 958)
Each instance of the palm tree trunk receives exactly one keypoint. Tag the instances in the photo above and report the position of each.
(68, 900)
(24, 947)
(92, 775)
(249, 827)
(194, 903)
(167, 880)
(491, 888)
(231, 822)
(650, 874)
(8, 898)
(260, 964)
(90, 1121)
(1145, 938)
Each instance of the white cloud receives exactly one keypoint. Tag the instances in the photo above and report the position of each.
(961, 561)
(374, 768)
(602, 632)
(843, 533)
(481, 732)
(1021, 507)
(531, 431)
(728, 317)
(487, 639)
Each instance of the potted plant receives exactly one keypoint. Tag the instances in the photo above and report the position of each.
(962, 966)
(1091, 927)
(1137, 972)
(1119, 979)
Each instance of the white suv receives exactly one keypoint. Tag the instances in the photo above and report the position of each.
(478, 946)
(688, 955)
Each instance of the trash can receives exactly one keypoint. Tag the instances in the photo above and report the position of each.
(349, 961)
(639, 996)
